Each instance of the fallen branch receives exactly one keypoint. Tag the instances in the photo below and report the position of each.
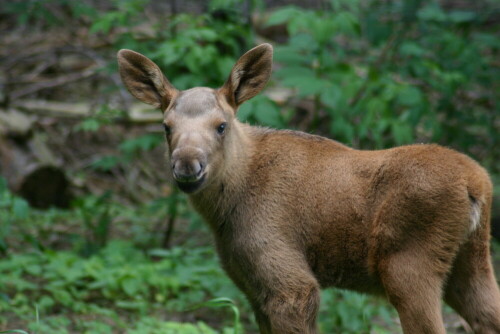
(59, 81)
(138, 112)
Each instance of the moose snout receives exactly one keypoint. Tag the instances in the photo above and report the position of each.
(187, 171)
(188, 164)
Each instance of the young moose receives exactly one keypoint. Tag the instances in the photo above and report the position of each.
(292, 212)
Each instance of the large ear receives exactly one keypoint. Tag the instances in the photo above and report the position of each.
(144, 79)
(249, 75)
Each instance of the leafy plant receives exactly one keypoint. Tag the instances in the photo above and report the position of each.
(119, 275)
(103, 116)
(42, 12)
(95, 213)
(372, 86)
(12, 208)
(223, 302)
(350, 312)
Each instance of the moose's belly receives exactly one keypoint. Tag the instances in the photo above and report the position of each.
(339, 257)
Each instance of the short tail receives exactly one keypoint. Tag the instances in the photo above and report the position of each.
(475, 214)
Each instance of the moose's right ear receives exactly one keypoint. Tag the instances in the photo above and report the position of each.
(144, 79)
(249, 75)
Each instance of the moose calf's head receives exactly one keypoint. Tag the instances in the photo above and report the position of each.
(199, 122)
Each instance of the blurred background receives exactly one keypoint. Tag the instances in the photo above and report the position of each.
(93, 238)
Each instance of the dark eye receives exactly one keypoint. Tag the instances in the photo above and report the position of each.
(167, 130)
(221, 128)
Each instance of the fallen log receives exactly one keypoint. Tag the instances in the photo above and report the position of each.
(26, 162)
(138, 112)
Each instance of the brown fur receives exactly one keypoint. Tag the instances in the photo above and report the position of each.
(293, 212)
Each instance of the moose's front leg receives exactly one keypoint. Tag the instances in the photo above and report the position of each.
(281, 288)
(290, 312)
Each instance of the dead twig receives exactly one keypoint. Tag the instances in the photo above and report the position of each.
(59, 81)
(100, 61)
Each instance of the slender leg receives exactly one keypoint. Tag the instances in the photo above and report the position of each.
(262, 320)
(472, 289)
(284, 296)
(415, 291)
(295, 312)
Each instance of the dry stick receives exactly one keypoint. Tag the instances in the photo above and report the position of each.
(167, 237)
(100, 61)
(59, 81)
(172, 210)
(87, 52)
(31, 77)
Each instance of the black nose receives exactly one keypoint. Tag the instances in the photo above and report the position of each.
(187, 170)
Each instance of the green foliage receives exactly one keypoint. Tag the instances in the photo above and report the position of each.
(119, 275)
(118, 280)
(129, 149)
(154, 326)
(104, 116)
(123, 15)
(379, 83)
(12, 209)
(223, 302)
(96, 215)
(193, 50)
(200, 51)
(350, 312)
(261, 110)
(42, 12)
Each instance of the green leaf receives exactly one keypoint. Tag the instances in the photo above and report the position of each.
(20, 208)
(411, 49)
(347, 23)
(142, 143)
(342, 129)
(304, 79)
(131, 286)
(461, 16)
(222, 302)
(432, 12)
(267, 113)
(410, 96)
(292, 56)
(283, 15)
(89, 125)
(401, 132)
(245, 111)
(331, 96)
(106, 163)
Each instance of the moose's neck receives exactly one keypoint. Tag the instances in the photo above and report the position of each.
(227, 186)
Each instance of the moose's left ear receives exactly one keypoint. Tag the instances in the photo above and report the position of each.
(249, 75)
(144, 79)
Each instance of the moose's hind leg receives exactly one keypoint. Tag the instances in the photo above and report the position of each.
(472, 289)
(415, 291)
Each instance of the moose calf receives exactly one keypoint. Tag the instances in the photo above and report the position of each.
(292, 212)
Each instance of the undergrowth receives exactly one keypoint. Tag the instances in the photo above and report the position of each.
(128, 285)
